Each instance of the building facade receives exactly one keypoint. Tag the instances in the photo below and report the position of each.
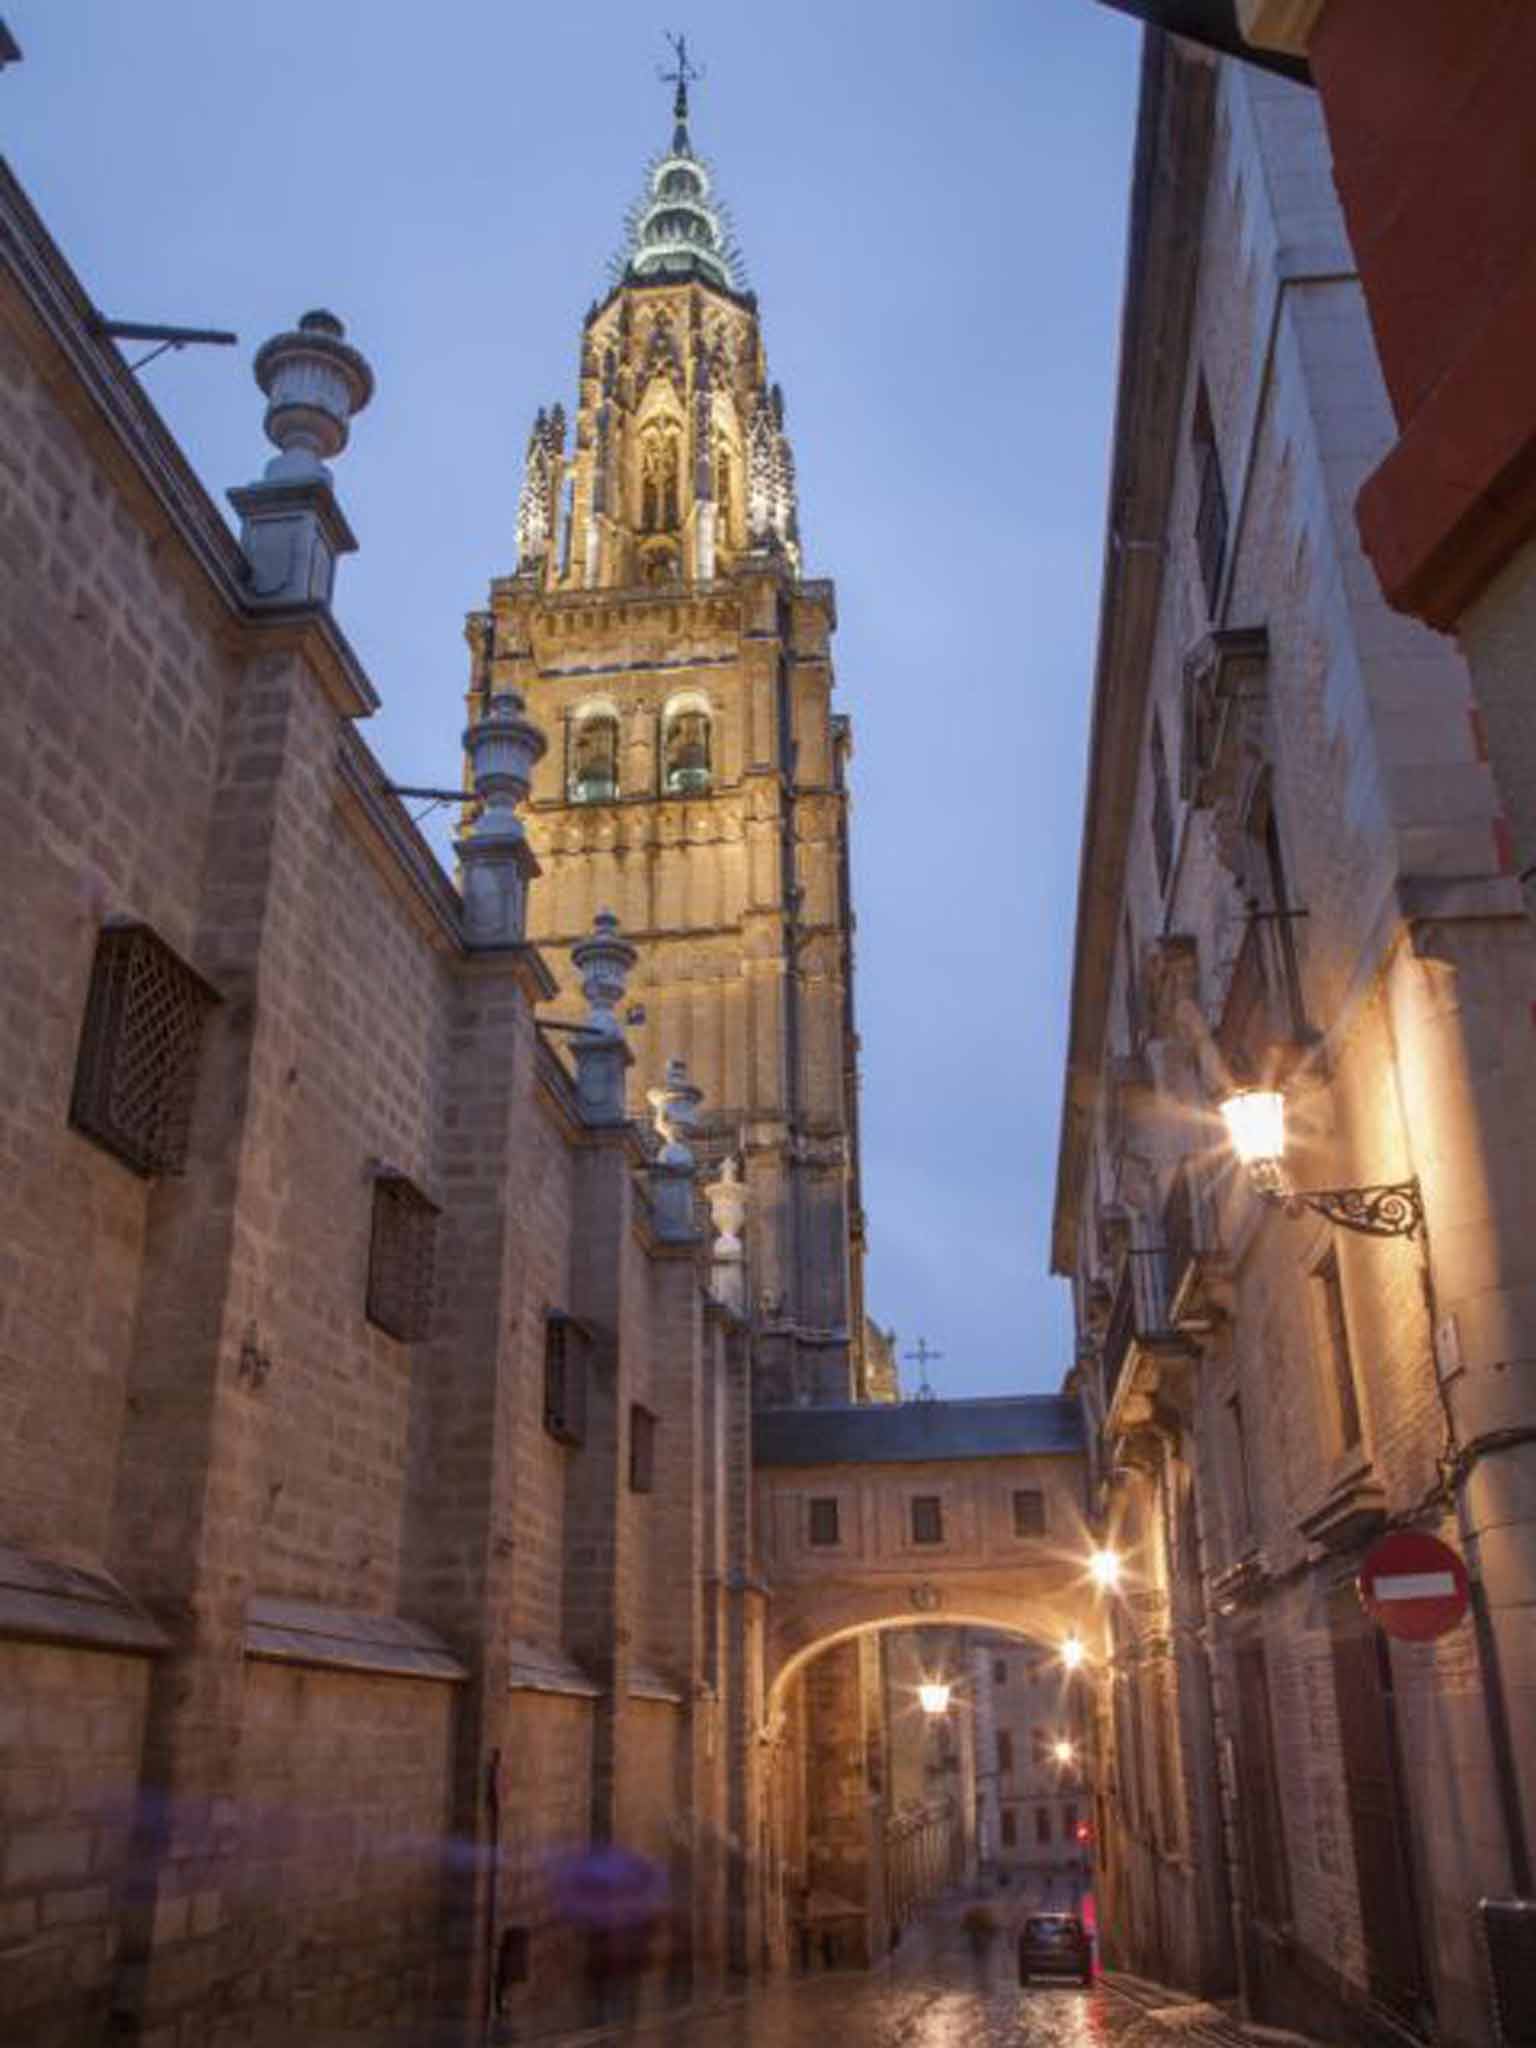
(1296, 873)
(1034, 1817)
(374, 1483)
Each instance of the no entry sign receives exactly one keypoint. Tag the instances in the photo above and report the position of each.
(1414, 1585)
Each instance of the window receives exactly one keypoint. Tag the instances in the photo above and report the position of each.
(1028, 1512)
(565, 1378)
(685, 748)
(594, 757)
(1010, 1828)
(1133, 1023)
(137, 1065)
(1004, 1750)
(824, 1529)
(999, 1671)
(1211, 500)
(927, 1518)
(1042, 1824)
(724, 496)
(1162, 807)
(1283, 969)
(402, 1257)
(1239, 1498)
(1069, 1822)
(659, 471)
(642, 1449)
(1334, 1331)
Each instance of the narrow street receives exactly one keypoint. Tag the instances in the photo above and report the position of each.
(934, 1993)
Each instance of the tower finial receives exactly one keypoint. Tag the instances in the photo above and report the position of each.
(682, 77)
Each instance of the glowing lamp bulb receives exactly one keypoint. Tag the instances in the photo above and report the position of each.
(933, 1696)
(1104, 1569)
(1072, 1652)
(1255, 1121)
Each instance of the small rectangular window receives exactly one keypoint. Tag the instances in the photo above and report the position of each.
(1004, 1750)
(999, 1671)
(824, 1529)
(565, 1379)
(1069, 1822)
(1210, 500)
(927, 1518)
(1339, 1360)
(1010, 1828)
(1042, 1824)
(1028, 1512)
(402, 1259)
(642, 1449)
(136, 1069)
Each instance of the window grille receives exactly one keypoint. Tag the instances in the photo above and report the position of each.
(642, 1449)
(136, 1071)
(1029, 1512)
(565, 1379)
(402, 1257)
(824, 1520)
(1211, 500)
(927, 1518)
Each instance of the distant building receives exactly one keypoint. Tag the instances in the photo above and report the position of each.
(1034, 1813)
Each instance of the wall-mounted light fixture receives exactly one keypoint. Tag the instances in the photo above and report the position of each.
(1255, 1121)
(1072, 1652)
(1104, 1569)
(933, 1696)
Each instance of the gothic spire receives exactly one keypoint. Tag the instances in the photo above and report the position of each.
(679, 229)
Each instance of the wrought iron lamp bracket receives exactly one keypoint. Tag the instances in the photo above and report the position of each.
(1392, 1209)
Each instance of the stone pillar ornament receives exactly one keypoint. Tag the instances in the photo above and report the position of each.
(727, 1198)
(498, 863)
(675, 1114)
(292, 528)
(603, 960)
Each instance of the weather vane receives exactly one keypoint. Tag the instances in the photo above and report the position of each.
(686, 74)
(922, 1357)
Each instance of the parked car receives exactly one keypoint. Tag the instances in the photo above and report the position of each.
(1057, 1943)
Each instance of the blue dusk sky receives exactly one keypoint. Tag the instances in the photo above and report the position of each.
(931, 206)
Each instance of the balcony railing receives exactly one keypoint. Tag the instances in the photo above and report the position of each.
(1139, 1313)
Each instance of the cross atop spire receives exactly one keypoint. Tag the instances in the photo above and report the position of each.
(682, 77)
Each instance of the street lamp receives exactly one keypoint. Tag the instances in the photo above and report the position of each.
(1104, 1569)
(1072, 1652)
(933, 1696)
(1063, 1752)
(1255, 1121)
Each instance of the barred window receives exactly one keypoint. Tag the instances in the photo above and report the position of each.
(137, 1066)
(824, 1519)
(565, 1378)
(402, 1256)
(1028, 1512)
(927, 1518)
(642, 1449)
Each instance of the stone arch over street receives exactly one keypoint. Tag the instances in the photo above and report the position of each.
(894, 1540)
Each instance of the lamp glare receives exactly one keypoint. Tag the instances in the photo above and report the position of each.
(1255, 1121)
(933, 1696)
(1104, 1569)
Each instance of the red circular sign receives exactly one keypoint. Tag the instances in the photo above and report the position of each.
(1414, 1585)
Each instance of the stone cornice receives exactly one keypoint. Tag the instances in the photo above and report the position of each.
(383, 825)
(1173, 146)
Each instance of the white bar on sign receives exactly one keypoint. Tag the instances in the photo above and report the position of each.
(1416, 1586)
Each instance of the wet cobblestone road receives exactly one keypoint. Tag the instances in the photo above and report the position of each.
(935, 1994)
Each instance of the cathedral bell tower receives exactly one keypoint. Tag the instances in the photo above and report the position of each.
(662, 634)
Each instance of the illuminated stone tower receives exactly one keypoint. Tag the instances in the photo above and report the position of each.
(662, 633)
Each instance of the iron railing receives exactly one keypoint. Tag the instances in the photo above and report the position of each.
(1138, 1314)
